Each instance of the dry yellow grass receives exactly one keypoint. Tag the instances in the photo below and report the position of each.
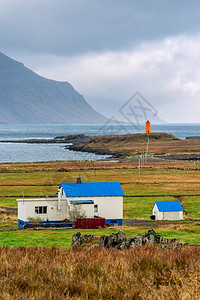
(54, 273)
(132, 144)
(7, 218)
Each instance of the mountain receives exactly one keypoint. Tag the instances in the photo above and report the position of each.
(27, 98)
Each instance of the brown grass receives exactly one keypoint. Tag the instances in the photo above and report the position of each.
(132, 144)
(7, 218)
(53, 273)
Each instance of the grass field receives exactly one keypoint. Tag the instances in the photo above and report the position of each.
(133, 144)
(39, 264)
(55, 273)
(187, 233)
(159, 181)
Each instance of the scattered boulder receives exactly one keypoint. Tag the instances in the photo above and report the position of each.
(78, 239)
(120, 241)
(113, 240)
(176, 246)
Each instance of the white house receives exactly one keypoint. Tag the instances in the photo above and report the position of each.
(102, 199)
(168, 210)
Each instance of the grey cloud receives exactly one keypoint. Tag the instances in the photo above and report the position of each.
(72, 27)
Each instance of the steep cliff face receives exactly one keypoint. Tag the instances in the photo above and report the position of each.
(26, 97)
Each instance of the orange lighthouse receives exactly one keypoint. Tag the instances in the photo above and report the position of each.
(148, 127)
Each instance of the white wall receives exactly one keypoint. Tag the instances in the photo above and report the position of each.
(26, 208)
(167, 215)
(172, 215)
(87, 208)
(108, 207)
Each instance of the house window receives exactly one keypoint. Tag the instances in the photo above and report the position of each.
(40, 209)
(62, 192)
(96, 208)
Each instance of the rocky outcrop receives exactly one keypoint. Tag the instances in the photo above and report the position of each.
(67, 139)
(120, 241)
(78, 239)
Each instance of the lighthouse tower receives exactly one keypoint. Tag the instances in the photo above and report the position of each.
(148, 127)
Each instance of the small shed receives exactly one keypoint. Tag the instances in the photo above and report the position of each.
(168, 210)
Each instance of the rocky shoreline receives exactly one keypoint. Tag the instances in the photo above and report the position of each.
(95, 151)
(96, 145)
(75, 143)
(74, 139)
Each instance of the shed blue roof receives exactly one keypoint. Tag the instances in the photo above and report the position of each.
(92, 189)
(169, 205)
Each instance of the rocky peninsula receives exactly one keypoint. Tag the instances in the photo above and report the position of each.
(157, 146)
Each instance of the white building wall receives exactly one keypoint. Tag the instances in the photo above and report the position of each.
(108, 207)
(155, 212)
(172, 215)
(167, 215)
(57, 210)
(26, 208)
(87, 208)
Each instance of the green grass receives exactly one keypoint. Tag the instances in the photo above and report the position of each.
(156, 180)
(62, 238)
(8, 202)
(192, 207)
(140, 207)
(47, 238)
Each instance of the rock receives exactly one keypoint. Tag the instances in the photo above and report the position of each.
(138, 240)
(119, 241)
(102, 241)
(131, 242)
(76, 240)
(123, 245)
(151, 237)
(111, 240)
(176, 246)
(175, 240)
(87, 237)
(121, 236)
(163, 247)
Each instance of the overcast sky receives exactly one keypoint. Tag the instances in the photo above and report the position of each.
(110, 49)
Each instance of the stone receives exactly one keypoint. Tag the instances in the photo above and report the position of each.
(111, 240)
(138, 240)
(176, 246)
(76, 240)
(119, 241)
(175, 240)
(163, 247)
(121, 236)
(151, 237)
(102, 241)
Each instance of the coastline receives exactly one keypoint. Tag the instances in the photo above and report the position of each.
(156, 146)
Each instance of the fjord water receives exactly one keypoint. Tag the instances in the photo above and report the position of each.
(18, 152)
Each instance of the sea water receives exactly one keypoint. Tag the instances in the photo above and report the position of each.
(21, 152)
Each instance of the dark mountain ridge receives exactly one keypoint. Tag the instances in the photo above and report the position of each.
(27, 98)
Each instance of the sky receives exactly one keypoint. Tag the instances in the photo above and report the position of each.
(110, 49)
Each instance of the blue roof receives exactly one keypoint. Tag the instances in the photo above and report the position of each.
(92, 189)
(169, 205)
